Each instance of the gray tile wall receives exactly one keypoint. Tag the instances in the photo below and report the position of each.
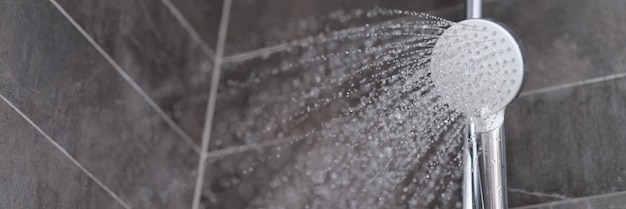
(65, 86)
(34, 174)
(606, 201)
(153, 48)
(565, 135)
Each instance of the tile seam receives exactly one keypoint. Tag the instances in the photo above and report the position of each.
(190, 29)
(573, 84)
(129, 80)
(64, 152)
(251, 54)
(586, 199)
(210, 111)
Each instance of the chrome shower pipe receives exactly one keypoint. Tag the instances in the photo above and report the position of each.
(484, 174)
(474, 9)
(492, 166)
(489, 189)
(472, 194)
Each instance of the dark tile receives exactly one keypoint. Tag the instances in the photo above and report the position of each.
(608, 201)
(605, 201)
(203, 15)
(572, 204)
(256, 24)
(291, 92)
(256, 106)
(149, 43)
(541, 206)
(352, 162)
(568, 142)
(233, 181)
(35, 174)
(566, 41)
(64, 85)
(517, 196)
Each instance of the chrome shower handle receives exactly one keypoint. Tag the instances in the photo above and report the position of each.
(492, 166)
(484, 174)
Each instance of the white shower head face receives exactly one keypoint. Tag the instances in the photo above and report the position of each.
(477, 67)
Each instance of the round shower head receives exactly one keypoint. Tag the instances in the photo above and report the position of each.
(477, 67)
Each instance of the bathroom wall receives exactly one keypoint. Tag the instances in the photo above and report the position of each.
(103, 102)
(565, 135)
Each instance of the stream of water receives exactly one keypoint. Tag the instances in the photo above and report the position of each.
(355, 108)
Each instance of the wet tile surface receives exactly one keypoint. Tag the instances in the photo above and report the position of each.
(264, 108)
(258, 24)
(149, 43)
(607, 201)
(566, 41)
(322, 171)
(35, 174)
(203, 15)
(65, 86)
(573, 204)
(567, 143)
(267, 98)
(291, 92)
(543, 206)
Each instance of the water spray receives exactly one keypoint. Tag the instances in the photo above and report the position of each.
(477, 67)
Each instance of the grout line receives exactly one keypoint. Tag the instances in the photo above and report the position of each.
(215, 79)
(265, 51)
(126, 77)
(573, 84)
(538, 194)
(243, 56)
(60, 148)
(587, 199)
(194, 34)
(247, 147)
(240, 57)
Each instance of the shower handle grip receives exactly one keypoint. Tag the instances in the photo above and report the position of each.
(492, 162)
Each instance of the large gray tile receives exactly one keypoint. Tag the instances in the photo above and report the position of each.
(65, 86)
(260, 107)
(203, 15)
(256, 24)
(572, 204)
(540, 206)
(568, 142)
(149, 43)
(292, 92)
(608, 201)
(605, 201)
(314, 174)
(35, 174)
(367, 160)
(566, 40)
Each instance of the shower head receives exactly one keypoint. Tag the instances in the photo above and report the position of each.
(477, 67)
